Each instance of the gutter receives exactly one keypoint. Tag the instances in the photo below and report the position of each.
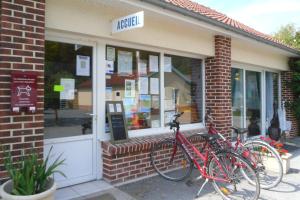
(185, 12)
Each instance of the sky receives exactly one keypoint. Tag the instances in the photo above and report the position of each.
(266, 16)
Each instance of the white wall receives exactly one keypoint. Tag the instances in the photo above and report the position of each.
(93, 18)
(258, 54)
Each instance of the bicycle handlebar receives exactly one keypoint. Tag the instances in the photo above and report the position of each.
(175, 123)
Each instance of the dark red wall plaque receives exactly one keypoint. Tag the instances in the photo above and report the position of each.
(23, 91)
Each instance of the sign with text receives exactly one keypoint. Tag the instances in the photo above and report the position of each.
(23, 91)
(117, 121)
(132, 21)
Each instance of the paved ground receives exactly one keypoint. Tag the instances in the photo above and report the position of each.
(157, 188)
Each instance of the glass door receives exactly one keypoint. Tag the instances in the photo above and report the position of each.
(247, 100)
(272, 99)
(68, 110)
(237, 96)
(253, 102)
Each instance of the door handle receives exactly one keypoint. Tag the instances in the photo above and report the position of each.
(94, 116)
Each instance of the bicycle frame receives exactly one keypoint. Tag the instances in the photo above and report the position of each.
(238, 143)
(188, 147)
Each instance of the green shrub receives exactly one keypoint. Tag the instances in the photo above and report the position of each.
(29, 174)
(294, 64)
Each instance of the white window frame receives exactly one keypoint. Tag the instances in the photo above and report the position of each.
(101, 80)
(162, 52)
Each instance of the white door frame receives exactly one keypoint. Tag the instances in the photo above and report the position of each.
(262, 70)
(81, 40)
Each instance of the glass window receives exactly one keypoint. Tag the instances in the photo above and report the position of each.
(132, 76)
(183, 88)
(68, 89)
(272, 97)
(253, 102)
(237, 96)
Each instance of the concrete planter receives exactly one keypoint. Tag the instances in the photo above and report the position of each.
(270, 162)
(6, 188)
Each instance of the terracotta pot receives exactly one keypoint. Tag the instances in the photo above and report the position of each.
(6, 188)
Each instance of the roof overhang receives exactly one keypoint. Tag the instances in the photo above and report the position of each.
(165, 5)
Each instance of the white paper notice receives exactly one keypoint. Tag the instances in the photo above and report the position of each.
(69, 88)
(129, 88)
(110, 53)
(143, 85)
(124, 62)
(155, 123)
(142, 66)
(154, 85)
(111, 108)
(168, 64)
(119, 107)
(109, 67)
(108, 93)
(153, 63)
(82, 65)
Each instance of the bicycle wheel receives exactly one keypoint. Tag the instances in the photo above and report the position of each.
(232, 168)
(266, 162)
(170, 160)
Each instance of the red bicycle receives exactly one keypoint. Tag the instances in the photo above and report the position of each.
(231, 175)
(264, 159)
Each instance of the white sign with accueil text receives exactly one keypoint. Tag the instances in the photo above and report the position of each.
(132, 21)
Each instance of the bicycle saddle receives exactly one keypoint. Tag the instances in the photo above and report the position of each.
(239, 131)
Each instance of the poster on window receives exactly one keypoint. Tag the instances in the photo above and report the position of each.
(153, 63)
(167, 64)
(69, 88)
(124, 62)
(155, 124)
(143, 85)
(155, 102)
(129, 88)
(154, 85)
(108, 93)
(145, 103)
(109, 67)
(110, 53)
(129, 106)
(142, 67)
(82, 65)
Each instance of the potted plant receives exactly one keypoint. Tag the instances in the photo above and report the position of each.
(30, 177)
(284, 154)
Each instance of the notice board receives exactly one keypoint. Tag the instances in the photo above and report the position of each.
(23, 91)
(117, 121)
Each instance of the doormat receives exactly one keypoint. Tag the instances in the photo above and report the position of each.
(106, 196)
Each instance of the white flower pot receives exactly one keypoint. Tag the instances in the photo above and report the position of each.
(6, 188)
(271, 163)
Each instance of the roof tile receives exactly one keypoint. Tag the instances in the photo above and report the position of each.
(215, 15)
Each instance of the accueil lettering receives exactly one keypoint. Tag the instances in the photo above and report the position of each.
(128, 22)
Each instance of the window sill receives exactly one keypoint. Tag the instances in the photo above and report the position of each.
(162, 130)
(139, 144)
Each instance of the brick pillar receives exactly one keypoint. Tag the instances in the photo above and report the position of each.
(218, 84)
(22, 39)
(287, 96)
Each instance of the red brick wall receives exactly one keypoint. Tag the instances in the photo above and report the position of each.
(287, 96)
(218, 84)
(131, 160)
(21, 48)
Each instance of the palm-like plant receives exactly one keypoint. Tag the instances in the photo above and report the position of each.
(30, 175)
